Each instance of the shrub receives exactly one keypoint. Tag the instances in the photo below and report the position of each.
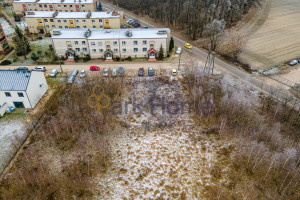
(51, 47)
(118, 58)
(34, 57)
(5, 62)
(129, 58)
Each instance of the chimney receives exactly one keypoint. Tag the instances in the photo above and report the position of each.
(89, 14)
(115, 13)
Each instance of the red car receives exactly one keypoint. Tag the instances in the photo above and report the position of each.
(94, 68)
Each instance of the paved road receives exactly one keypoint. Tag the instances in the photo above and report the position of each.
(256, 83)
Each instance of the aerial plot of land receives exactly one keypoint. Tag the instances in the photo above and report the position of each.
(275, 39)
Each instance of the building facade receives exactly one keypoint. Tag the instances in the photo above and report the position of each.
(42, 22)
(3, 41)
(22, 6)
(21, 88)
(111, 43)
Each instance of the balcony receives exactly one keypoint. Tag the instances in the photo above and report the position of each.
(2, 38)
(5, 46)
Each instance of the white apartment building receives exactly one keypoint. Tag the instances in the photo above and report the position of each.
(22, 88)
(111, 43)
(43, 22)
(22, 6)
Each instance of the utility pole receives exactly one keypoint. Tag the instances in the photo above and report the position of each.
(210, 61)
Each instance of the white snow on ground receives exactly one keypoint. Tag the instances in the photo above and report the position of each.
(148, 163)
(10, 134)
(8, 29)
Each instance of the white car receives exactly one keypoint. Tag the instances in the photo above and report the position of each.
(178, 51)
(105, 72)
(114, 72)
(53, 73)
(129, 21)
(40, 68)
(82, 74)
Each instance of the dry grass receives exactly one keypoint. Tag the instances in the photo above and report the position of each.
(70, 146)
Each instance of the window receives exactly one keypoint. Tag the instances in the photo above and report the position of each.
(51, 20)
(93, 43)
(135, 49)
(151, 45)
(60, 26)
(58, 21)
(53, 26)
(66, 27)
(101, 26)
(69, 44)
(77, 26)
(94, 50)
(135, 42)
(84, 49)
(65, 21)
(47, 26)
(83, 10)
(124, 50)
(100, 50)
(40, 5)
(84, 26)
(99, 43)
(76, 21)
(123, 42)
(65, 6)
(93, 21)
(29, 5)
(71, 6)
(100, 20)
(144, 42)
(82, 6)
(45, 5)
(77, 49)
(59, 6)
(7, 94)
(60, 10)
(76, 42)
(71, 10)
(83, 21)
(83, 43)
(20, 94)
(115, 43)
(116, 50)
(144, 49)
(94, 26)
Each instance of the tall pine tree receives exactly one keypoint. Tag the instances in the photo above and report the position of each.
(161, 53)
(171, 47)
(21, 42)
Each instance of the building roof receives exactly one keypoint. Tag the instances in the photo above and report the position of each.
(70, 15)
(95, 34)
(14, 80)
(55, 1)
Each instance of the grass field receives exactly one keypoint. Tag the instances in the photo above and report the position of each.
(275, 37)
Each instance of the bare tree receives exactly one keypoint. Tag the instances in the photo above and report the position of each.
(214, 31)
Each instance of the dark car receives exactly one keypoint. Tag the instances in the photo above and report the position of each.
(121, 71)
(150, 71)
(94, 68)
(136, 24)
(141, 72)
(22, 68)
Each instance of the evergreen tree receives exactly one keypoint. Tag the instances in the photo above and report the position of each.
(22, 43)
(161, 53)
(171, 47)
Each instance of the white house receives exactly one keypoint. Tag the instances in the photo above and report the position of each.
(22, 88)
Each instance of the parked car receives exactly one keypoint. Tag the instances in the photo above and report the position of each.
(136, 24)
(74, 72)
(121, 71)
(105, 72)
(40, 68)
(53, 73)
(188, 46)
(293, 62)
(174, 72)
(71, 79)
(22, 68)
(114, 72)
(141, 72)
(178, 51)
(129, 20)
(82, 74)
(94, 68)
(145, 27)
(150, 71)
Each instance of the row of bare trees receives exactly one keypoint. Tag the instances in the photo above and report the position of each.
(265, 160)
